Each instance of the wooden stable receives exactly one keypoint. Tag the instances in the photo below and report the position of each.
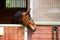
(17, 33)
(12, 32)
(7, 13)
(43, 32)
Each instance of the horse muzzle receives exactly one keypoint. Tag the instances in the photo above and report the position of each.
(33, 28)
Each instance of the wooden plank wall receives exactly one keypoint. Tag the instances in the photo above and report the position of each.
(44, 33)
(12, 33)
(17, 33)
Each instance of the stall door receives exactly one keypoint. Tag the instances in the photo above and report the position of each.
(12, 33)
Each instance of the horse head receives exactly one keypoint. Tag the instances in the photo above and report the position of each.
(26, 20)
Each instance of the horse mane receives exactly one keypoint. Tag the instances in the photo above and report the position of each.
(17, 16)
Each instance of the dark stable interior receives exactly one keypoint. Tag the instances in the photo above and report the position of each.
(7, 13)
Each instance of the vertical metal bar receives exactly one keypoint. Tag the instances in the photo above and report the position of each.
(57, 34)
(55, 28)
(25, 33)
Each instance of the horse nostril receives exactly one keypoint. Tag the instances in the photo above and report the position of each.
(34, 30)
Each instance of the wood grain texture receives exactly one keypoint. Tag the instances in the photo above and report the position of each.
(45, 33)
(12, 33)
(17, 33)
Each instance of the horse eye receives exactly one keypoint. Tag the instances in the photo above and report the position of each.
(29, 18)
(26, 14)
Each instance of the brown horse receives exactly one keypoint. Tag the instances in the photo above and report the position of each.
(23, 17)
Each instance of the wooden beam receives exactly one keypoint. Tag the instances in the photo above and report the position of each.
(11, 25)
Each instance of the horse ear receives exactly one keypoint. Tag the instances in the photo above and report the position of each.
(28, 11)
